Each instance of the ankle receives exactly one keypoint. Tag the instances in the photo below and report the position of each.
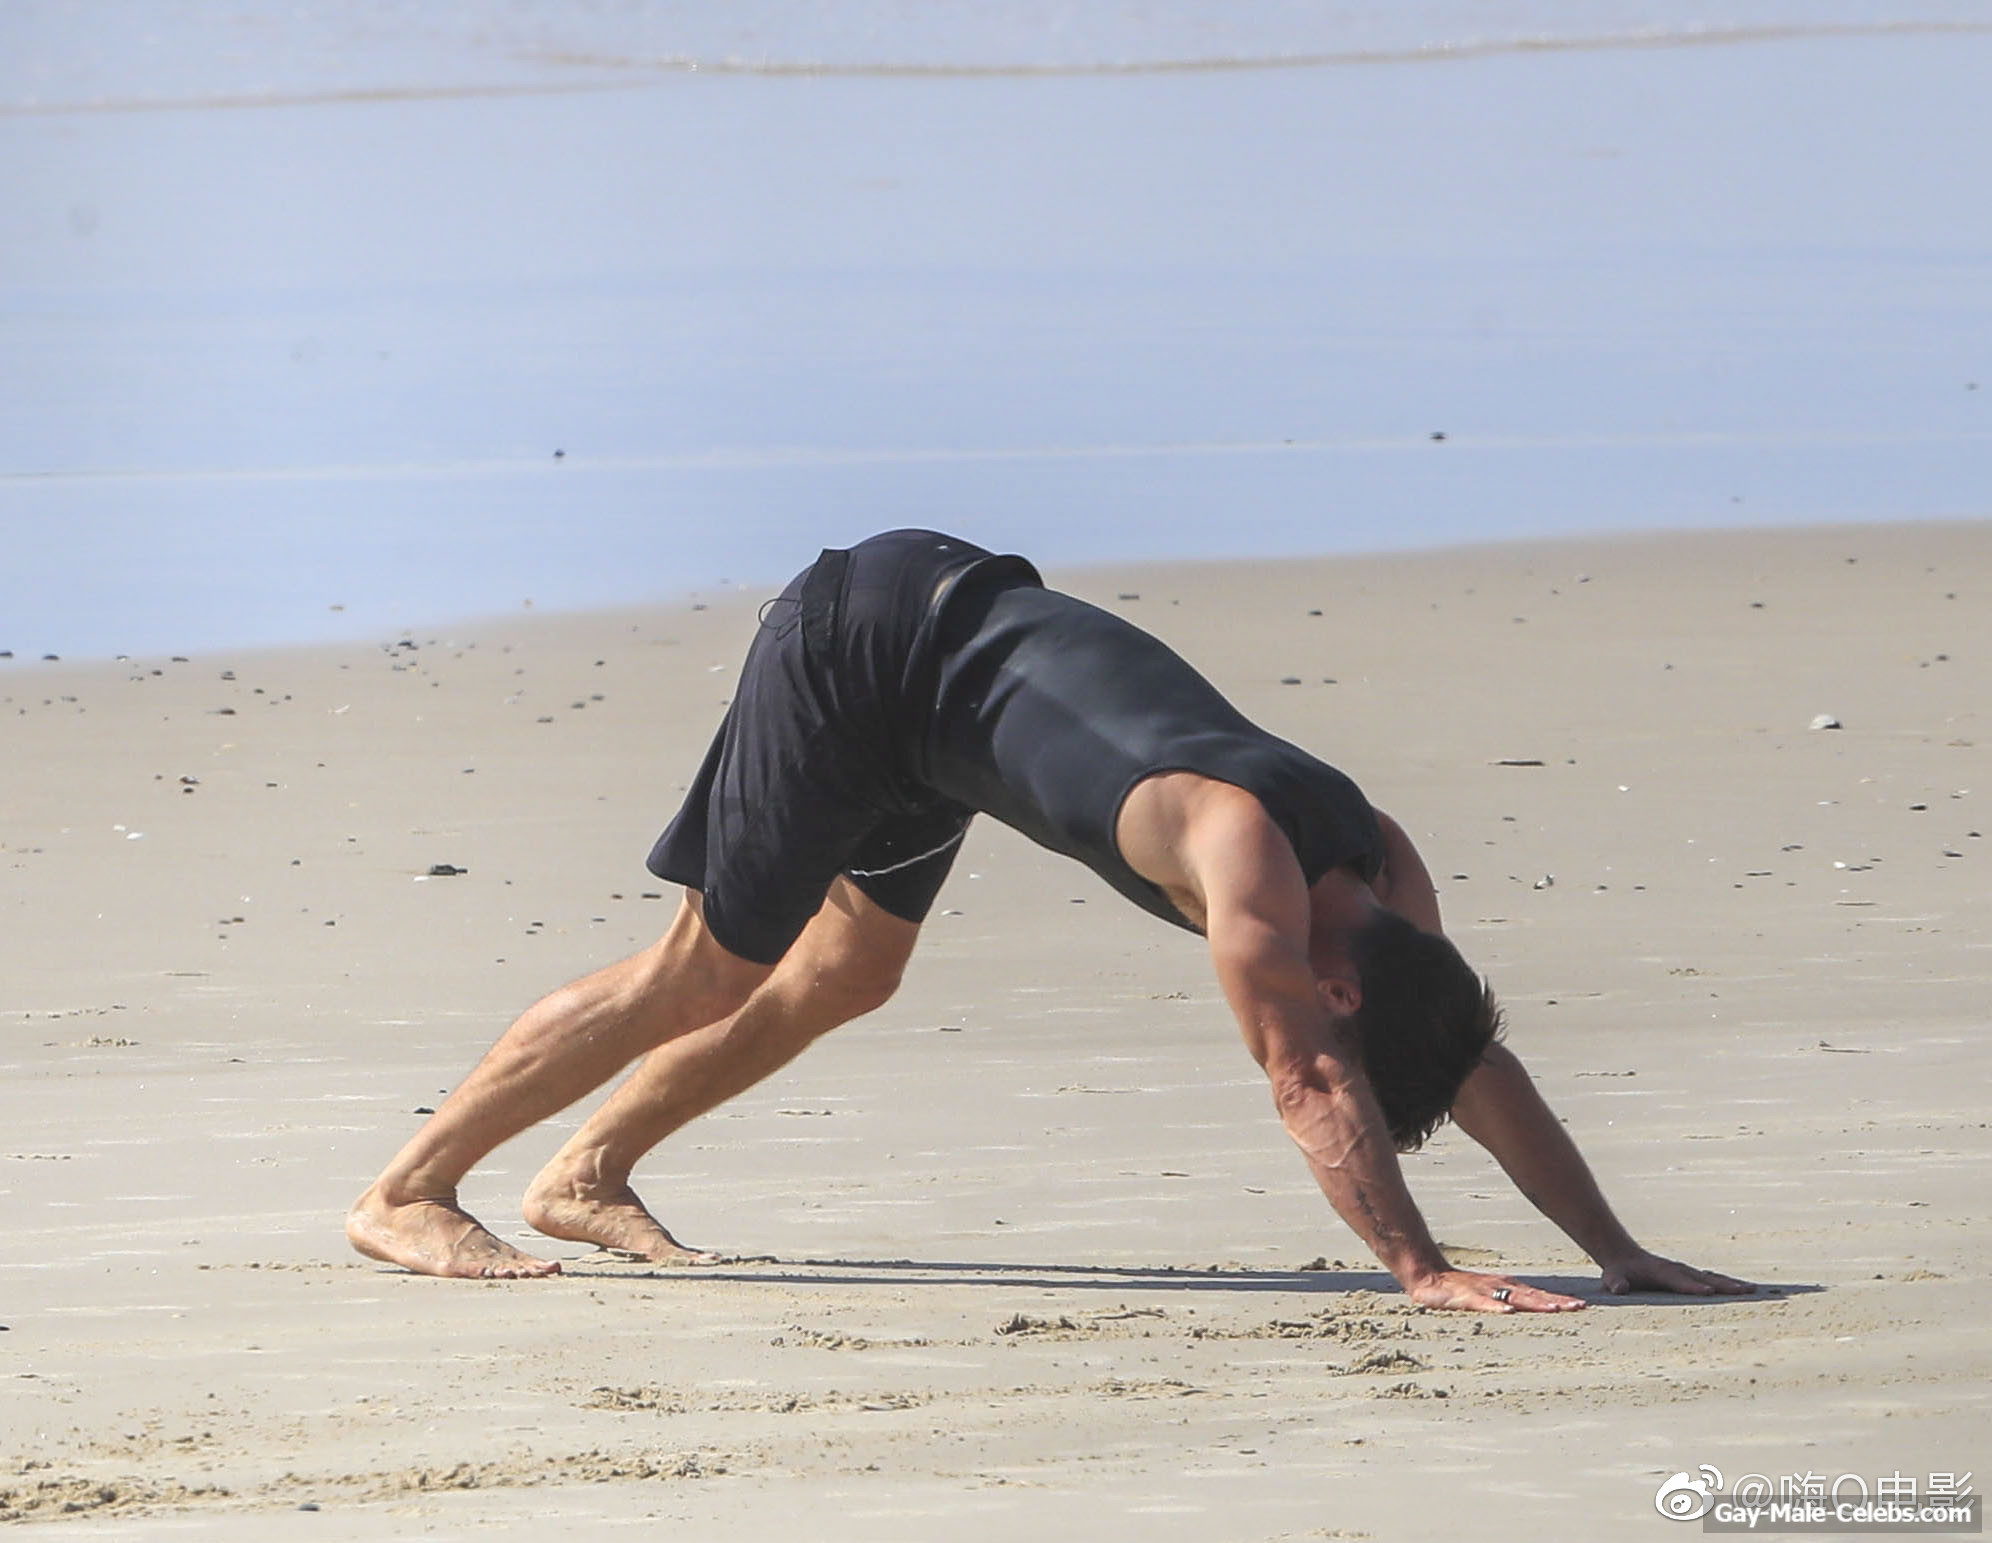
(583, 1176)
(391, 1194)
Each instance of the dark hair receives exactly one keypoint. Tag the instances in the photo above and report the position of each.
(1425, 1021)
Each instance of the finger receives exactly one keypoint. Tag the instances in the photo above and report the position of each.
(1519, 1296)
(1531, 1299)
(1679, 1279)
(1684, 1283)
(1493, 1297)
(1470, 1302)
(1702, 1283)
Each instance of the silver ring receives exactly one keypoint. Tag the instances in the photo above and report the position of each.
(1501, 1293)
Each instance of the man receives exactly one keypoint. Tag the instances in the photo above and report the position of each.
(895, 690)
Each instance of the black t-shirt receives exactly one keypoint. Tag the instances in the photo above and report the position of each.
(1047, 711)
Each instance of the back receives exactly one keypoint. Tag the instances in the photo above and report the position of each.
(1048, 711)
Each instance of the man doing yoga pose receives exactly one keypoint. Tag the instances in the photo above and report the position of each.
(894, 691)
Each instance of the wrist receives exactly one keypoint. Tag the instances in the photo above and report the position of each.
(1620, 1251)
(1599, 1233)
(1419, 1267)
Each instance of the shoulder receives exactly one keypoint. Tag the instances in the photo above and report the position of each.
(1204, 842)
(1403, 883)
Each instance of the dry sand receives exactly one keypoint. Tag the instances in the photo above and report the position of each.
(1027, 1250)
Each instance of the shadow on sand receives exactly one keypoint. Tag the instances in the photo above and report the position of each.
(834, 1273)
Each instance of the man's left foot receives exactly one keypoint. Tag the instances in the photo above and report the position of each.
(433, 1235)
(608, 1216)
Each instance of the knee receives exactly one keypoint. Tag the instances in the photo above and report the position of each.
(723, 982)
(851, 988)
(690, 980)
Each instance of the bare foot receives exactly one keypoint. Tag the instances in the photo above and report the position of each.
(436, 1237)
(609, 1216)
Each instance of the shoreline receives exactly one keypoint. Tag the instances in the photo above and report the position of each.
(1085, 575)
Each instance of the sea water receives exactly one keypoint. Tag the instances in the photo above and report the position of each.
(322, 320)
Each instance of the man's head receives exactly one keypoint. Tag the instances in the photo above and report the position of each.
(1424, 1022)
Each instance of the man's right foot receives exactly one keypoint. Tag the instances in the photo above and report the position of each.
(436, 1237)
(608, 1216)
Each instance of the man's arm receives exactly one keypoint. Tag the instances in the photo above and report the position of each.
(1502, 1111)
(1500, 1108)
(1256, 917)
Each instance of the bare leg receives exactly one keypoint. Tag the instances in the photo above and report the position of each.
(561, 1048)
(847, 962)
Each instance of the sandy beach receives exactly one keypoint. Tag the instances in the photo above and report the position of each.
(1025, 1252)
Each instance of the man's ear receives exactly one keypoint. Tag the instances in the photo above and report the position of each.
(1339, 995)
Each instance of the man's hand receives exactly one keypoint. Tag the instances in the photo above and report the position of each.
(1500, 1108)
(1642, 1271)
(1470, 1292)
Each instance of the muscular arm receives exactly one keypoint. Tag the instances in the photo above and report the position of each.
(1256, 912)
(1500, 1108)
(1258, 941)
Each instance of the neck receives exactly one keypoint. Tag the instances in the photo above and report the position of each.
(1341, 904)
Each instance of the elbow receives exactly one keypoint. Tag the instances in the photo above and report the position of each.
(1292, 1091)
(1323, 1111)
(1301, 1085)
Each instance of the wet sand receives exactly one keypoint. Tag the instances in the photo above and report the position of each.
(1026, 1250)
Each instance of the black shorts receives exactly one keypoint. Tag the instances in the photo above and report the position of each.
(806, 779)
